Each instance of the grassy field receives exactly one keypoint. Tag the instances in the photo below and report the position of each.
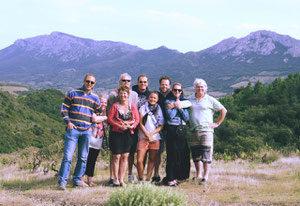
(231, 183)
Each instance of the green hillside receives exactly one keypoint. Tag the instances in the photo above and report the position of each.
(259, 117)
(262, 116)
(30, 121)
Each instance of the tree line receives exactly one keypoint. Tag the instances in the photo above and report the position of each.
(259, 116)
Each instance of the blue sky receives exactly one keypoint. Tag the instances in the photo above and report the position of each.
(184, 25)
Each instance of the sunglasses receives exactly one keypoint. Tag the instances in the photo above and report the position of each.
(126, 80)
(143, 82)
(89, 82)
(177, 90)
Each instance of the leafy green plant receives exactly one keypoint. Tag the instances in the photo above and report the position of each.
(146, 194)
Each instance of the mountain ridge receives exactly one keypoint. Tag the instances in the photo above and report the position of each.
(60, 60)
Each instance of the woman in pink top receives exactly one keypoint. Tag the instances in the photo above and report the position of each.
(123, 118)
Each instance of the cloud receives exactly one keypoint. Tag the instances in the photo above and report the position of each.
(103, 9)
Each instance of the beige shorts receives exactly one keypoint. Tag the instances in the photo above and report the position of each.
(201, 144)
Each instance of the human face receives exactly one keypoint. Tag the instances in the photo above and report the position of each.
(200, 89)
(123, 96)
(89, 83)
(103, 103)
(164, 86)
(177, 90)
(142, 84)
(152, 99)
(125, 81)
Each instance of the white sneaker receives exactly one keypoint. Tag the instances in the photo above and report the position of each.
(130, 178)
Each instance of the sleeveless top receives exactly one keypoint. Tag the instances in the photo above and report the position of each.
(126, 116)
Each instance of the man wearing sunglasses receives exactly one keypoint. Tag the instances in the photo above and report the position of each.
(125, 80)
(77, 111)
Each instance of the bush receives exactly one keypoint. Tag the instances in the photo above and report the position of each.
(270, 156)
(6, 160)
(146, 194)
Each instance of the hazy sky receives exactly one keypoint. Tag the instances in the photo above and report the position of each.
(185, 25)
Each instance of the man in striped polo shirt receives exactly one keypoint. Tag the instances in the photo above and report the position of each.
(77, 111)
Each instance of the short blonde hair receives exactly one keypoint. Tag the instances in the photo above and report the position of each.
(89, 75)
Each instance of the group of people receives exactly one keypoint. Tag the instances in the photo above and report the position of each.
(141, 122)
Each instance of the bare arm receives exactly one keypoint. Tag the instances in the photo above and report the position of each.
(143, 127)
(221, 118)
(157, 130)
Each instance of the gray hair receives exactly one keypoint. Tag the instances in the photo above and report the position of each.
(201, 82)
(123, 75)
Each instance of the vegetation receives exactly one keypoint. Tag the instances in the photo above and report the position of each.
(25, 121)
(146, 194)
(45, 101)
(262, 118)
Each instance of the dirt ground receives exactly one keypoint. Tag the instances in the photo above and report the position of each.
(231, 183)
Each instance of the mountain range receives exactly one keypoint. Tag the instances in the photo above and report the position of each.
(61, 60)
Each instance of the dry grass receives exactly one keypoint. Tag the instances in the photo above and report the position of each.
(13, 89)
(230, 183)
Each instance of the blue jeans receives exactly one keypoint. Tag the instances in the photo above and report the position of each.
(74, 136)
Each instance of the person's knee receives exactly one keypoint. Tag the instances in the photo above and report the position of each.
(152, 157)
(116, 158)
(124, 157)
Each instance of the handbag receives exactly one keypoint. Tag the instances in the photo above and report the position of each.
(181, 129)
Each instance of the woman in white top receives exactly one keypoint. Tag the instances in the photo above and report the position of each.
(151, 123)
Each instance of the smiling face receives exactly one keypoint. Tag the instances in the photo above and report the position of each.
(142, 84)
(165, 86)
(152, 99)
(125, 81)
(103, 103)
(200, 89)
(89, 83)
(123, 95)
(177, 90)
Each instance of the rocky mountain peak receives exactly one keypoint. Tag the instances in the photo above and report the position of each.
(260, 42)
(71, 48)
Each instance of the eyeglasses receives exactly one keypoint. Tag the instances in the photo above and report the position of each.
(143, 82)
(126, 80)
(177, 90)
(89, 82)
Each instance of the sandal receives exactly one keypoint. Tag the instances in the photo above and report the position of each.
(172, 184)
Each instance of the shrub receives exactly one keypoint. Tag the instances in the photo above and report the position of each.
(6, 160)
(270, 156)
(146, 194)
